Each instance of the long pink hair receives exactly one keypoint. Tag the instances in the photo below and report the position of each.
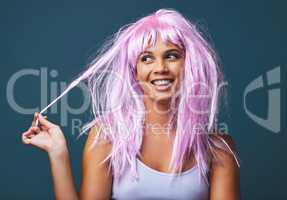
(117, 102)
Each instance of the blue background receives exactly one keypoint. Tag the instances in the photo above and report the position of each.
(249, 36)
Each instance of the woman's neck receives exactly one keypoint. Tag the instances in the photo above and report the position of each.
(158, 116)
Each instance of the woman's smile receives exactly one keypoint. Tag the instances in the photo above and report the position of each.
(162, 85)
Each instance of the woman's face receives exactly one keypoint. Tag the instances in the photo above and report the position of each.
(159, 70)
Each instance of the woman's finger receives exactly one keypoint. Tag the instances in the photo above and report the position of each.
(34, 119)
(45, 122)
(33, 130)
(25, 139)
(29, 134)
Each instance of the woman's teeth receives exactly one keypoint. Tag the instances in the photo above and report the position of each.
(162, 85)
(161, 82)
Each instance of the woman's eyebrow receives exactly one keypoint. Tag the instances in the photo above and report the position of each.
(172, 50)
(146, 52)
(165, 52)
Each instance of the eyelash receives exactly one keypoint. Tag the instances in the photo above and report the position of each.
(173, 54)
(144, 57)
(170, 54)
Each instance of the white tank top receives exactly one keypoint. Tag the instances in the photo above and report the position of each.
(153, 184)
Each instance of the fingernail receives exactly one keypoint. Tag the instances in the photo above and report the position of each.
(37, 122)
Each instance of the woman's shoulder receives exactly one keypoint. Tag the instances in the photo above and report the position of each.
(97, 137)
(224, 138)
(225, 151)
(97, 146)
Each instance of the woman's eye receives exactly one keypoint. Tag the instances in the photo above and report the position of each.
(172, 56)
(146, 59)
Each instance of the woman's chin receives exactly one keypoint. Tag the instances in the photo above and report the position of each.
(162, 97)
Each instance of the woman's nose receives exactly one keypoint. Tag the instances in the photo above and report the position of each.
(161, 66)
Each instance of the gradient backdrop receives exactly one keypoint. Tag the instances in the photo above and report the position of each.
(50, 43)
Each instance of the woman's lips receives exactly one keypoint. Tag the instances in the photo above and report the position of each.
(162, 88)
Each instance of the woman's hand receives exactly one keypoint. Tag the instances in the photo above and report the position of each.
(46, 136)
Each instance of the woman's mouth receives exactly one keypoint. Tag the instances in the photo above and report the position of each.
(162, 84)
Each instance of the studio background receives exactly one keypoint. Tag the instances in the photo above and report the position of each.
(52, 42)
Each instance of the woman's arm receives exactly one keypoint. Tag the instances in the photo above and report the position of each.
(224, 177)
(62, 176)
(96, 181)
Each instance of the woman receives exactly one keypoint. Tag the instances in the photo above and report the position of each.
(152, 136)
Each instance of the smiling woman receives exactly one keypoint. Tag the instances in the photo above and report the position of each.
(148, 138)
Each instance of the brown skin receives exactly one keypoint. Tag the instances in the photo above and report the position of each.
(96, 182)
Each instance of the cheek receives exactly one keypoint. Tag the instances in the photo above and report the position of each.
(177, 68)
(142, 73)
(142, 77)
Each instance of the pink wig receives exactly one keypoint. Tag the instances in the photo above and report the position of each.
(117, 98)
